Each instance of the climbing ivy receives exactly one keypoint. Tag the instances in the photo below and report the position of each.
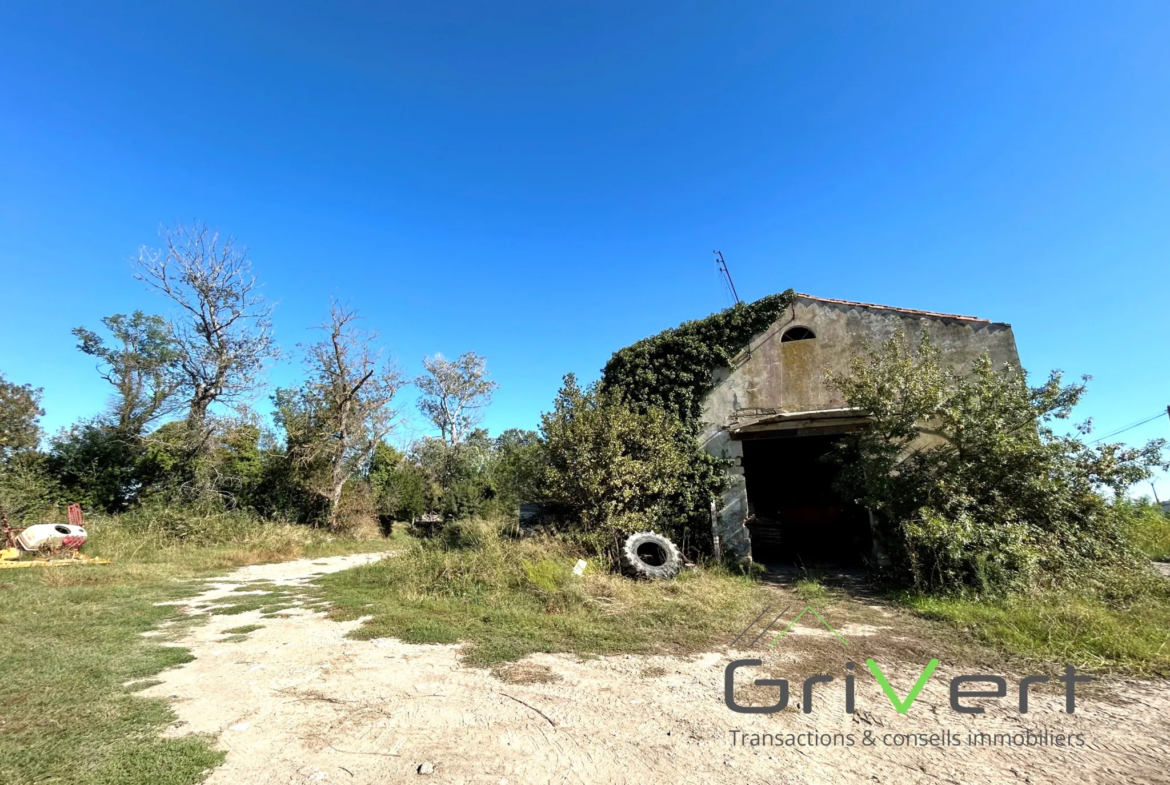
(673, 370)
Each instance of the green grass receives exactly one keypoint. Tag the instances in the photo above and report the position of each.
(1149, 528)
(1117, 622)
(810, 590)
(272, 600)
(506, 598)
(72, 640)
(1091, 631)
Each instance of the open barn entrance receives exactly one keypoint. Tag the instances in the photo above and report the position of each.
(798, 518)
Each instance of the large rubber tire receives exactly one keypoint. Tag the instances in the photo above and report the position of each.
(651, 556)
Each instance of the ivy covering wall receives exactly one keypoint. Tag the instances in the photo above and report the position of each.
(673, 370)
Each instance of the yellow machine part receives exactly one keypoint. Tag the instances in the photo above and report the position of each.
(76, 558)
(9, 554)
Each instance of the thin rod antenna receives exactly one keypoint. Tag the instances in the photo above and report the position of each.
(722, 265)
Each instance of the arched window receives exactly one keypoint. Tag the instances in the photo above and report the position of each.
(797, 334)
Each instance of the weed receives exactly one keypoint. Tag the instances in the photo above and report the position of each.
(1094, 630)
(1148, 527)
(810, 590)
(507, 598)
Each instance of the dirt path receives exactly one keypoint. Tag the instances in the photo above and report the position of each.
(296, 702)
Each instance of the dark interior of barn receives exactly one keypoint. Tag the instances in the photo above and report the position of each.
(798, 517)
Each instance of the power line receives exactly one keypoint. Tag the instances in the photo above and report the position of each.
(722, 267)
(1132, 426)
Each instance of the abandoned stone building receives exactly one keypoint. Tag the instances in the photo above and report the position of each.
(772, 415)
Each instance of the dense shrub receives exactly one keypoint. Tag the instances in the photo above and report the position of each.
(971, 485)
(28, 492)
(1147, 525)
(613, 468)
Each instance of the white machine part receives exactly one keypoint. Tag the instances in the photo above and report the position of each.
(51, 536)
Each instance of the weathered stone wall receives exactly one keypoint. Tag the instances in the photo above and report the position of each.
(772, 377)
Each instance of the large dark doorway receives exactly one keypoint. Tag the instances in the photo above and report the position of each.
(798, 516)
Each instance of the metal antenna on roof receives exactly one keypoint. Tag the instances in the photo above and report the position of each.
(722, 267)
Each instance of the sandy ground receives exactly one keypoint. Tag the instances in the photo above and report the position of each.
(296, 702)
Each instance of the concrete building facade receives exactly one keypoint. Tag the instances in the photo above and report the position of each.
(773, 416)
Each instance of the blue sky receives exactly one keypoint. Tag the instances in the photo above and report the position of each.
(545, 182)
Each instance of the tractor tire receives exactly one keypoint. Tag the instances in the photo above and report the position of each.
(650, 556)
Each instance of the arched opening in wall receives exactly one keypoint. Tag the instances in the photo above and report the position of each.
(798, 517)
(797, 334)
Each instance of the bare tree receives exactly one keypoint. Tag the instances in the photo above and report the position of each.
(351, 388)
(223, 335)
(454, 393)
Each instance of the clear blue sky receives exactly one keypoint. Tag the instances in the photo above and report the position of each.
(544, 182)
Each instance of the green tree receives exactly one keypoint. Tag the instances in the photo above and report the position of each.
(615, 468)
(457, 481)
(20, 411)
(27, 491)
(454, 394)
(335, 421)
(354, 389)
(399, 485)
(101, 467)
(971, 485)
(515, 466)
(350, 390)
(141, 363)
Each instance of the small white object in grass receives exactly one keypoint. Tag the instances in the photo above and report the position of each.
(426, 768)
(580, 568)
(239, 726)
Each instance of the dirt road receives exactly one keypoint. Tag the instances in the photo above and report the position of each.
(296, 702)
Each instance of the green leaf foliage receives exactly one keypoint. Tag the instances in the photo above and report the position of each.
(670, 375)
(972, 486)
(672, 370)
(614, 467)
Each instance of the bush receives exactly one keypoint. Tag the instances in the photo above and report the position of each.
(467, 534)
(1147, 526)
(161, 525)
(991, 498)
(102, 468)
(28, 493)
(611, 467)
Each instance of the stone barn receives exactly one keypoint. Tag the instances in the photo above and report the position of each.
(773, 416)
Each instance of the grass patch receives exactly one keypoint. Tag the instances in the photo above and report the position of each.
(1127, 632)
(810, 590)
(267, 602)
(507, 598)
(72, 640)
(1148, 528)
(233, 639)
(244, 630)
